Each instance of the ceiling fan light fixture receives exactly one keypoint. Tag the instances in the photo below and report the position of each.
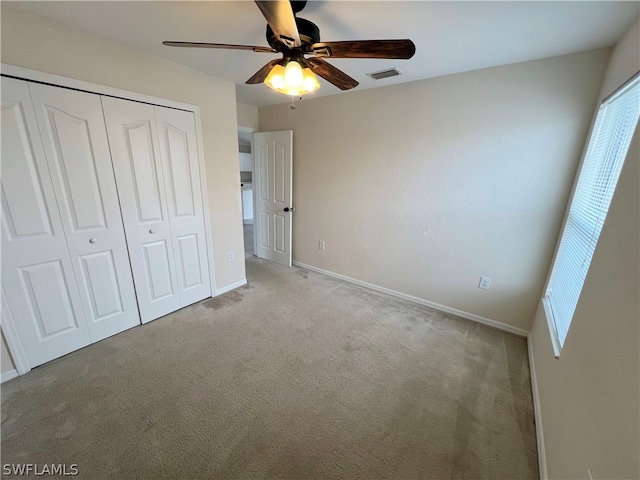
(292, 79)
(275, 79)
(309, 81)
(293, 75)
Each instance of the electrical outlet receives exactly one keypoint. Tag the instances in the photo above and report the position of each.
(230, 256)
(321, 245)
(484, 283)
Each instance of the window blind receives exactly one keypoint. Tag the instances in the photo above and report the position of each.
(614, 127)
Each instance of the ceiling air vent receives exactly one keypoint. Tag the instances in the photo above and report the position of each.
(391, 72)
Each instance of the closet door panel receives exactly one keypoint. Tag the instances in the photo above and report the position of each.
(101, 279)
(75, 141)
(134, 146)
(157, 265)
(37, 273)
(176, 131)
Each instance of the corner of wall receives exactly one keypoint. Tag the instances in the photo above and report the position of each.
(542, 455)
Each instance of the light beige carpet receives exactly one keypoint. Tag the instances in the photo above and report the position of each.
(296, 376)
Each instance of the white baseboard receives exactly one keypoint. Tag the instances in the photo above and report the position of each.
(421, 301)
(228, 288)
(6, 376)
(542, 457)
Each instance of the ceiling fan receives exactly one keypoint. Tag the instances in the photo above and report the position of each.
(298, 40)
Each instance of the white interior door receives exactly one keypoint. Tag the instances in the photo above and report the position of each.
(136, 160)
(75, 143)
(38, 280)
(272, 184)
(178, 150)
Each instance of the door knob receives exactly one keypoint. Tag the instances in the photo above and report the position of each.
(287, 209)
(151, 230)
(93, 240)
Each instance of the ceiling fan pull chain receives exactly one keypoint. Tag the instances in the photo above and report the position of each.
(293, 106)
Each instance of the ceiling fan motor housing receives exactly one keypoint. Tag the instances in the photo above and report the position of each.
(308, 31)
(297, 5)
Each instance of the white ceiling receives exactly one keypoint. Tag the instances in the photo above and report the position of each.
(450, 36)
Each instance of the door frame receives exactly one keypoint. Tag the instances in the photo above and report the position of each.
(18, 355)
(8, 326)
(250, 130)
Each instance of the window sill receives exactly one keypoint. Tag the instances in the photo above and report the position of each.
(555, 341)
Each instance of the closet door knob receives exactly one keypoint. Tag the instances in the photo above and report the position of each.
(151, 230)
(93, 240)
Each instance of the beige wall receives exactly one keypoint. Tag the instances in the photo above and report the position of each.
(32, 42)
(247, 116)
(590, 396)
(424, 187)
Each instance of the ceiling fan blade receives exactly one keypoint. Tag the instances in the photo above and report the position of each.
(279, 15)
(261, 74)
(400, 49)
(331, 74)
(228, 46)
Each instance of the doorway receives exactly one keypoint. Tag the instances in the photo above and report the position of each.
(266, 163)
(245, 141)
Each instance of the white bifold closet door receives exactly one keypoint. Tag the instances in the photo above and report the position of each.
(156, 165)
(65, 269)
(75, 143)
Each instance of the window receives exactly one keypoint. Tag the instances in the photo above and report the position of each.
(608, 146)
